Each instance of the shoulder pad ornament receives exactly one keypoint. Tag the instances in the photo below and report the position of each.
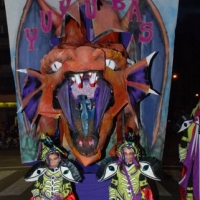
(146, 170)
(107, 169)
(35, 172)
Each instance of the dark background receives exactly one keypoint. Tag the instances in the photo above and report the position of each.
(186, 59)
(186, 62)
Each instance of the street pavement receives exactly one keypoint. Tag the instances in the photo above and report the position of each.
(13, 186)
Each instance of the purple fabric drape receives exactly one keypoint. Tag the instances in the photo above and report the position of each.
(90, 188)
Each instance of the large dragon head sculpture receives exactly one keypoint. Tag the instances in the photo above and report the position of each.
(82, 87)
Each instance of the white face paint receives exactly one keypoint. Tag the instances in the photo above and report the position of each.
(128, 155)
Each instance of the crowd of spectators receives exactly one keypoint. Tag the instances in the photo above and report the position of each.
(9, 138)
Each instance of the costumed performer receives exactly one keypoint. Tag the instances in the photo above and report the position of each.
(129, 180)
(189, 156)
(54, 176)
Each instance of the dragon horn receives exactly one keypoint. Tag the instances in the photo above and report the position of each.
(74, 33)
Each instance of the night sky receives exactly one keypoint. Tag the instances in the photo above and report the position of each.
(186, 57)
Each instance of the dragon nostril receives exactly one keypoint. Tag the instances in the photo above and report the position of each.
(98, 54)
(69, 58)
(100, 57)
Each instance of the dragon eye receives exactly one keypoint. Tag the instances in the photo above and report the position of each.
(56, 66)
(110, 64)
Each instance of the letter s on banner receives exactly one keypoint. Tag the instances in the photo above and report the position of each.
(146, 27)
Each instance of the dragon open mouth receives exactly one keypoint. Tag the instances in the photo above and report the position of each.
(84, 98)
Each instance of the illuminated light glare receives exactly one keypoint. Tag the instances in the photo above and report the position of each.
(175, 76)
(8, 104)
(197, 95)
